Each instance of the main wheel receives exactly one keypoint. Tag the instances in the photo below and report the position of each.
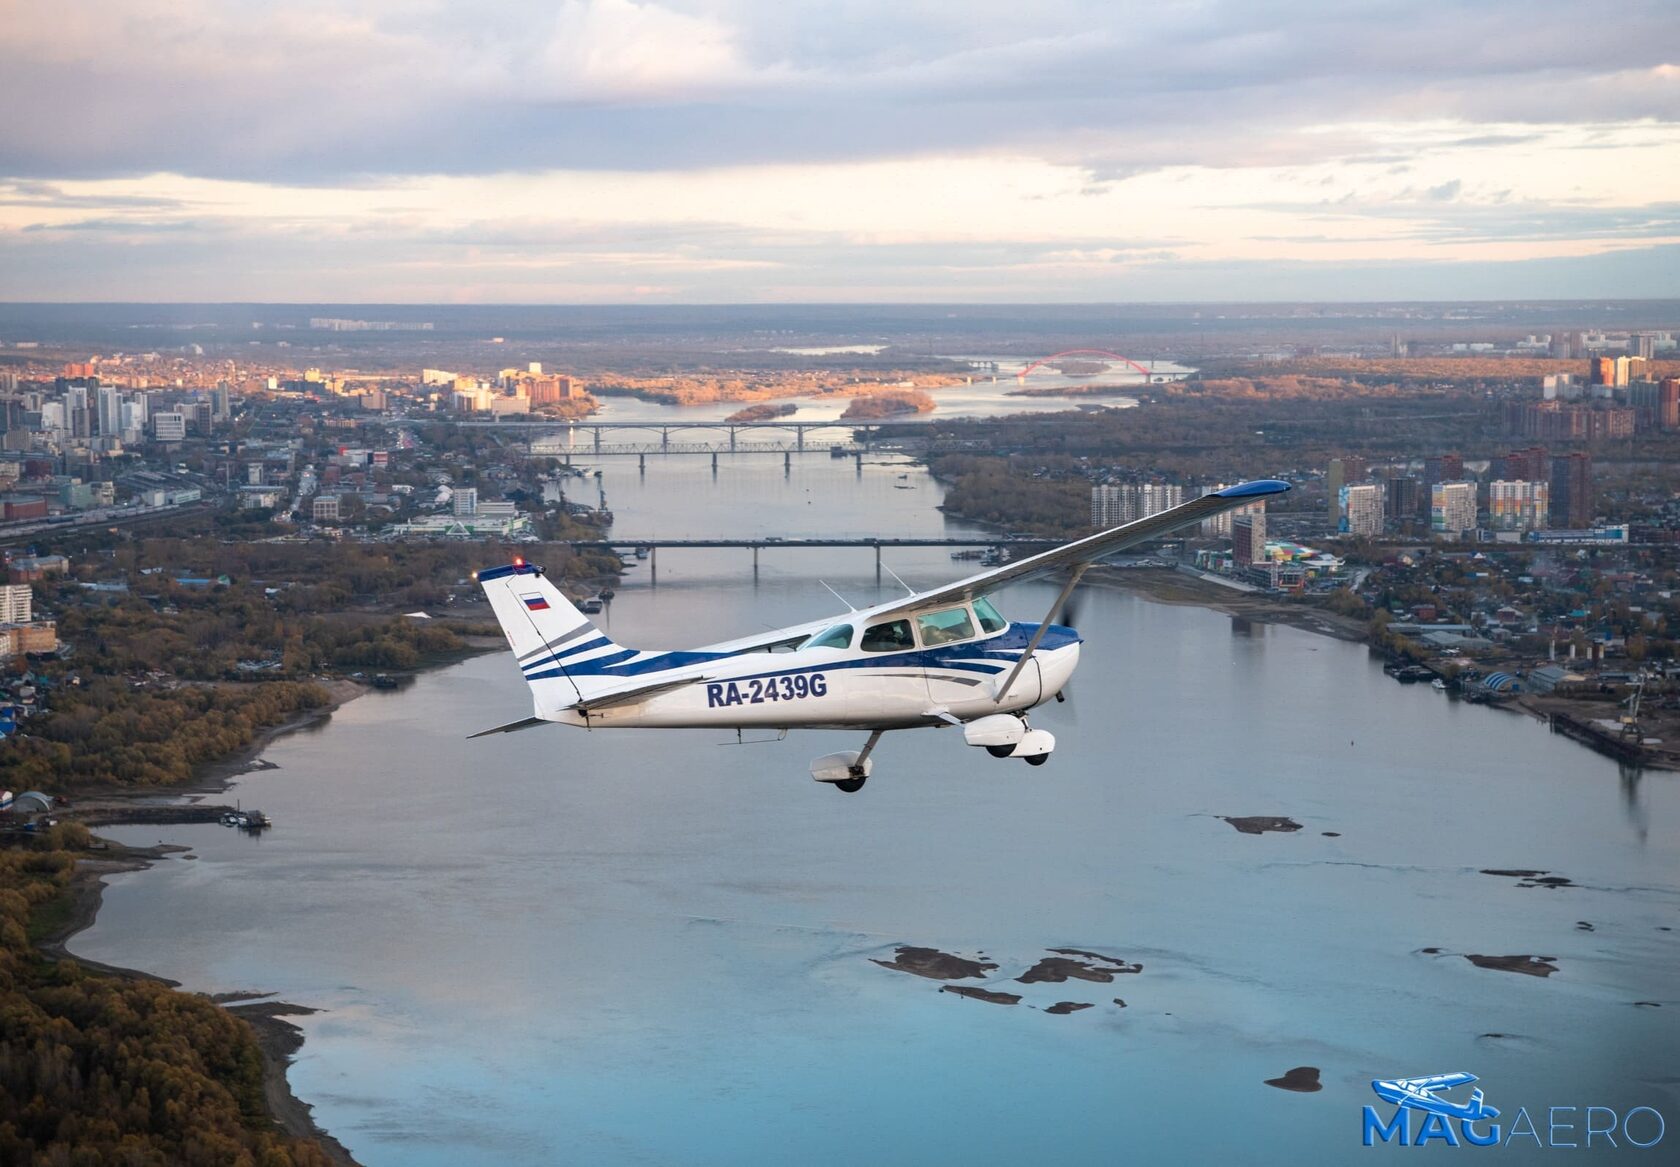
(1000, 751)
(849, 785)
(1037, 759)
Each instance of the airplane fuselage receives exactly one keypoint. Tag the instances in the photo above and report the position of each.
(834, 688)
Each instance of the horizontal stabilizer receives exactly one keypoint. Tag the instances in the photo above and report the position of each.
(510, 727)
(633, 694)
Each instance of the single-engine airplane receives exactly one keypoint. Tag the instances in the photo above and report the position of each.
(939, 657)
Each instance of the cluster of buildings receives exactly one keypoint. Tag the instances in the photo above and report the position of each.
(20, 632)
(513, 390)
(1618, 399)
(1526, 490)
(1251, 556)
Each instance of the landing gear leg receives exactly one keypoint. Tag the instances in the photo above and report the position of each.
(858, 770)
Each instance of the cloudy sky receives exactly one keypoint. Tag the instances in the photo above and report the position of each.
(858, 150)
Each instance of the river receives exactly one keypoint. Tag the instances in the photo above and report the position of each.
(987, 395)
(655, 947)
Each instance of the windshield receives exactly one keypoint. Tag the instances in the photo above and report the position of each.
(840, 636)
(990, 621)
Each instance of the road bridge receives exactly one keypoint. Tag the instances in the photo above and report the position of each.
(626, 548)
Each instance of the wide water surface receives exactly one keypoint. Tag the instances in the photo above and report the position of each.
(655, 947)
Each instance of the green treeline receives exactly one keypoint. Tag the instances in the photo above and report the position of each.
(99, 1070)
(985, 489)
(105, 732)
(209, 631)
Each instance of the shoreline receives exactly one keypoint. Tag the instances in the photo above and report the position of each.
(278, 1039)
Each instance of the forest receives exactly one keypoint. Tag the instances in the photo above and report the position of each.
(167, 677)
(97, 1069)
(986, 490)
(104, 732)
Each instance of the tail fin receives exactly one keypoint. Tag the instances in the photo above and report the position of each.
(546, 632)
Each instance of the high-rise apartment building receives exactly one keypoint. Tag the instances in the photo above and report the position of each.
(16, 604)
(1127, 502)
(169, 426)
(1452, 509)
(1361, 509)
(110, 410)
(1405, 498)
(1530, 465)
(1518, 505)
(1572, 491)
(1248, 538)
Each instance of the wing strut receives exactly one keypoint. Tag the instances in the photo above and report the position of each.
(1049, 619)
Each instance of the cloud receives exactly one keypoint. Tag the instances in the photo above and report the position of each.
(327, 91)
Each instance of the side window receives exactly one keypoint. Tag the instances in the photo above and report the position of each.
(945, 627)
(891, 637)
(990, 621)
(840, 636)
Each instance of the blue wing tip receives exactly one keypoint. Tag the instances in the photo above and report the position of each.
(1259, 488)
(518, 567)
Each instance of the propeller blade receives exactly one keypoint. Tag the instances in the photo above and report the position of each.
(1071, 609)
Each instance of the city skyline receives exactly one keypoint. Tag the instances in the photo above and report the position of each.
(609, 151)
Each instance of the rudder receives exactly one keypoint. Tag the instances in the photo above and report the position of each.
(544, 629)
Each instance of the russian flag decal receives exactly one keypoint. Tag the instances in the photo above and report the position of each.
(535, 603)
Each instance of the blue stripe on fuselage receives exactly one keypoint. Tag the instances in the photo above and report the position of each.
(965, 656)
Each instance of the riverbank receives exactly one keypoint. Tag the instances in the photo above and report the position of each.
(277, 1039)
(1166, 585)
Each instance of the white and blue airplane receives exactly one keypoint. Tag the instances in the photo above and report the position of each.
(939, 657)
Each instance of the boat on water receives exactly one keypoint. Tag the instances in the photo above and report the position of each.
(591, 605)
(1438, 685)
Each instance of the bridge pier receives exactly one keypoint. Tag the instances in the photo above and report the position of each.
(714, 463)
(787, 463)
(664, 439)
(731, 438)
(799, 434)
(859, 457)
(641, 464)
(877, 564)
(653, 567)
(597, 439)
(755, 563)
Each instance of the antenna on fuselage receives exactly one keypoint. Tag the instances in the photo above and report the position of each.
(849, 606)
(901, 583)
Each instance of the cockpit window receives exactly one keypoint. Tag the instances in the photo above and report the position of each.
(944, 627)
(890, 637)
(990, 621)
(840, 636)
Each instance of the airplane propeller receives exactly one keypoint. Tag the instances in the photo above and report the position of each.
(1072, 608)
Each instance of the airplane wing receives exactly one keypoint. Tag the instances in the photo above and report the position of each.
(1068, 555)
(1092, 547)
(510, 727)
